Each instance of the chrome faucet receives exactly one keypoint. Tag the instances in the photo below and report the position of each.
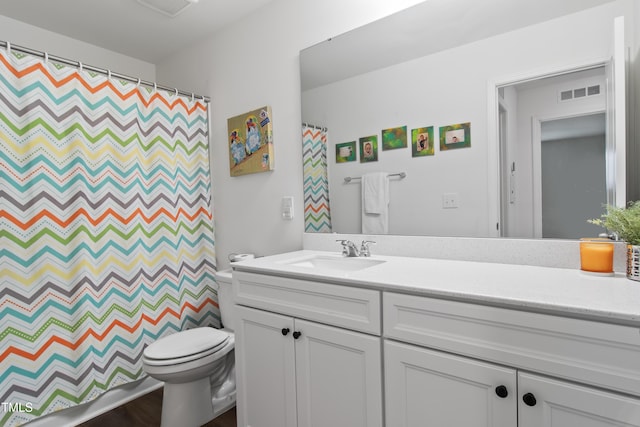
(349, 249)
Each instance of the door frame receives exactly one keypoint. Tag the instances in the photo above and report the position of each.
(495, 174)
(617, 64)
(536, 141)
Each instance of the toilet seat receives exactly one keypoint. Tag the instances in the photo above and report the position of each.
(185, 346)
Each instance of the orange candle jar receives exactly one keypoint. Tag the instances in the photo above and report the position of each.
(596, 255)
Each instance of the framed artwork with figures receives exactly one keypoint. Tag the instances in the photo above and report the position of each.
(251, 142)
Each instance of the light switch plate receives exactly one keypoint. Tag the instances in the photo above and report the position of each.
(287, 207)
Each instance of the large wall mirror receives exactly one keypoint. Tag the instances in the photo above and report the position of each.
(528, 84)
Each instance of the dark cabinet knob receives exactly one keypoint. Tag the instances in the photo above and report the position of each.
(502, 391)
(297, 334)
(285, 331)
(529, 399)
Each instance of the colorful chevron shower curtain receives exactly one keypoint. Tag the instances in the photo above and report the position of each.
(317, 214)
(106, 231)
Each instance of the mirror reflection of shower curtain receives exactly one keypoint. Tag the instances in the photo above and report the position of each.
(317, 213)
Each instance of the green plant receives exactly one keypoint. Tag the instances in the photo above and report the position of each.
(625, 222)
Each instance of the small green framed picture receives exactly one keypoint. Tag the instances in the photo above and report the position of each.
(369, 149)
(422, 142)
(346, 152)
(394, 138)
(455, 136)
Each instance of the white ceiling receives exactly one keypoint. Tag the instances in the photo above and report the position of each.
(127, 27)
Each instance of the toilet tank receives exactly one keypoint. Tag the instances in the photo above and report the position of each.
(226, 300)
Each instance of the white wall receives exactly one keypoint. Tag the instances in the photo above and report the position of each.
(443, 89)
(26, 35)
(245, 66)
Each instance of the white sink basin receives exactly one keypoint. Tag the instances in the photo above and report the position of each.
(334, 264)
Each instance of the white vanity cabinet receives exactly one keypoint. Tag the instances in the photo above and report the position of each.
(307, 353)
(455, 363)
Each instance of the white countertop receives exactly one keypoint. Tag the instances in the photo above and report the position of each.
(556, 290)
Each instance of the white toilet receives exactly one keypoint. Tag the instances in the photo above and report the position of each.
(197, 367)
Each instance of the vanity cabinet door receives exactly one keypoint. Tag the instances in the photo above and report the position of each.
(339, 379)
(425, 387)
(265, 369)
(545, 402)
(292, 372)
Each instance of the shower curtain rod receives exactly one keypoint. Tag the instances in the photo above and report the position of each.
(10, 46)
(315, 127)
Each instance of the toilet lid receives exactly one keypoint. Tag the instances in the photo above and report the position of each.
(186, 343)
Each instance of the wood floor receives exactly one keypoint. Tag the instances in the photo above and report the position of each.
(146, 412)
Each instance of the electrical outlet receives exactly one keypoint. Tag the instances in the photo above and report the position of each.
(450, 200)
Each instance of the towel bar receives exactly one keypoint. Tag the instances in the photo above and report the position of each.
(400, 174)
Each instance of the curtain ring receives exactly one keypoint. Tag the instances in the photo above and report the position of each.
(8, 48)
(46, 57)
(109, 74)
(193, 97)
(155, 86)
(176, 89)
(80, 66)
(138, 83)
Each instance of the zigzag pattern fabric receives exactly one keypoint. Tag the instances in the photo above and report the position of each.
(106, 231)
(317, 214)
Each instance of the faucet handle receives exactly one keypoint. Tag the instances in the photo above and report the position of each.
(345, 246)
(344, 243)
(349, 248)
(364, 247)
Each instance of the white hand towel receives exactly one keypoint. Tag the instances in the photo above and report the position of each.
(375, 203)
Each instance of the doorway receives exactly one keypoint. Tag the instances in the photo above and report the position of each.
(553, 151)
(572, 175)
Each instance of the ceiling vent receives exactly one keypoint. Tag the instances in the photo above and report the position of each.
(170, 8)
(578, 93)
